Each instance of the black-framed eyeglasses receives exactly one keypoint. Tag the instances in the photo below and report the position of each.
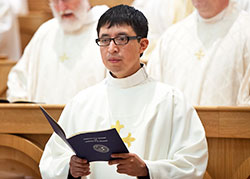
(119, 40)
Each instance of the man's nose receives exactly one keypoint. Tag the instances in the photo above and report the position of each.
(112, 48)
(62, 6)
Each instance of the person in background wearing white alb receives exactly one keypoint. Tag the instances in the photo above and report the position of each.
(207, 54)
(61, 58)
(10, 45)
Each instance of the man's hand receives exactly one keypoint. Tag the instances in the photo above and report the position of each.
(78, 167)
(130, 164)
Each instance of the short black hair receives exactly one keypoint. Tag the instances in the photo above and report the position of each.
(124, 15)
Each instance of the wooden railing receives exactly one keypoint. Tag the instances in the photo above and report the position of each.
(24, 132)
(228, 135)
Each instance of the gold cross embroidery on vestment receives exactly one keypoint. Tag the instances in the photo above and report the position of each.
(64, 57)
(127, 139)
(199, 54)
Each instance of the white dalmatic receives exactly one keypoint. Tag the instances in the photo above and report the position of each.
(57, 65)
(153, 119)
(208, 59)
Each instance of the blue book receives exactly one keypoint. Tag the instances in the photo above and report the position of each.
(93, 146)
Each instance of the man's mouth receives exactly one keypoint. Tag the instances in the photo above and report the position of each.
(67, 15)
(114, 60)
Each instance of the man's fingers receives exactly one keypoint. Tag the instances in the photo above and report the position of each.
(123, 155)
(79, 165)
(77, 172)
(78, 160)
(118, 161)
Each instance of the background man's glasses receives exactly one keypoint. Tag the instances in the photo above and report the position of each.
(119, 40)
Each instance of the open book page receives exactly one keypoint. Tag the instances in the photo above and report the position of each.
(93, 146)
(57, 129)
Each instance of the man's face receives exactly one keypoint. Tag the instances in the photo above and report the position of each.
(70, 13)
(209, 8)
(121, 60)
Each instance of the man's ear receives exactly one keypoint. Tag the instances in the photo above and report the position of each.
(144, 44)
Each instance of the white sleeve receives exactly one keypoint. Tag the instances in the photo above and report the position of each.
(5, 17)
(244, 95)
(244, 90)
(19, 76)
(188, 153)
(22, 77)
(54, 163)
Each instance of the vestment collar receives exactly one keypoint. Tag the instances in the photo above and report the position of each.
(137, 78)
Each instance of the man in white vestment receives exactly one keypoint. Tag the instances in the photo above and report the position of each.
(61, 59)
(10, 45)
(162, 132)
(161, 14)
(207, 55)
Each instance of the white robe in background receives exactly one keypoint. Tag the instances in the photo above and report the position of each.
(168, 133)
(244, 4)
(161, 14)
(56, 65)
(209, 60)
(20, 7)
(10, 45)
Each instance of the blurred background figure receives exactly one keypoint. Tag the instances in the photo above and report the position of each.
(10, 45)
(61, 58)
(244, 4)
(20, 7)
(161, 14)
(207, 54)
